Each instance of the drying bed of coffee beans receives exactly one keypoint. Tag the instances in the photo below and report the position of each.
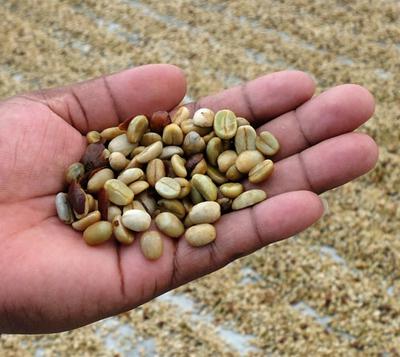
(183, 172)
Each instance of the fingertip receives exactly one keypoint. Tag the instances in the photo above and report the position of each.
(369, 151)
(363, 99)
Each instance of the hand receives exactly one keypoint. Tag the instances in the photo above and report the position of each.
(52, 281)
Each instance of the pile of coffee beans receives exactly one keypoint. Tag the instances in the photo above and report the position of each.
(182, 172)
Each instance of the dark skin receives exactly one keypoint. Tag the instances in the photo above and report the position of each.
(52, 281)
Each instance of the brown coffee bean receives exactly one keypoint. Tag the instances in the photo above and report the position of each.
(159, 120)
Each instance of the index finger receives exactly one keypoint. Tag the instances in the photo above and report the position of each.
(263, 98)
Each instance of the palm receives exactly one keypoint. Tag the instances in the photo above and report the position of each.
(52, 281)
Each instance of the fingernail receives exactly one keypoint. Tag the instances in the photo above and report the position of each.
(325, 206)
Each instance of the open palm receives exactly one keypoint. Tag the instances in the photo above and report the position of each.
(52, 281)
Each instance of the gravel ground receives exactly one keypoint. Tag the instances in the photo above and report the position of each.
(333, 290)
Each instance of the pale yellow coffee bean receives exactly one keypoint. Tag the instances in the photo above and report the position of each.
(131, 175)
(137, 150)
(180, 115)
(136, 220)
(231, 189)
(172, 135)
(195, 195)
(193, 143)
(134, 164)
(136, 205)
(187, 203)
(247, 160)
(87, 221)
(151, 245)
(205, 212)
(148, 202)
(213, 150)
(118, 161)
(248, 198)
(242, 121)
(155, 171)
(97, 181)
(122, 234)
(64, 210)
(136, 129)
(74, 172)
(121, 144)
(208, 137)
(187, 126)
(93, 204)
(245, 138)
(112, 212)
(261, 171)
(185, 187)
(203, 117)
(150, 138)
(111, 133)
(106, 154)
(169, 224)
(118, 193)
(178, 165)
(98, 233)
(225, 124)
(226, 159)
(93, 137)
(205, 186)
(233, 174)
(167, 187)
(169, 151)
(215, 175)
(139, 186)
(174, 206)
(200, 168)
(267, 143)
(150, 152)
(200, 234)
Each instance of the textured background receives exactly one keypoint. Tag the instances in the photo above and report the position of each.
(335, 287)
